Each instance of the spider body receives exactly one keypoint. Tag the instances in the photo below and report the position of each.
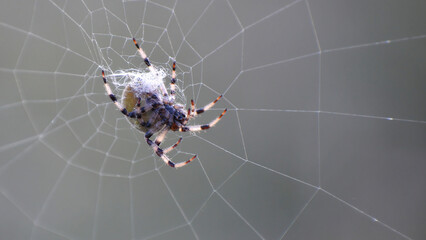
(161, 115)
(153, 110)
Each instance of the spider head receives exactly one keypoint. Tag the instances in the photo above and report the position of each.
(180, 117)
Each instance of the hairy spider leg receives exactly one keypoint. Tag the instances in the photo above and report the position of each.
(154, 115)
(172, 147)
(196, 128)
(132, 114)
(113, 98)
(160, 137)
(162, 153)
(137, 113)
(192, 109)
(173, 81)
(203, 109)
(143, 55)
(148, 63)
(149, 104)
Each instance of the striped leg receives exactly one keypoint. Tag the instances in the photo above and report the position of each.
(148, 63)
(192, 109)
(172, 147)
(133, 114)
(143, 55)
(173, 81)
(154, 115)
(162, 153)
(196, 128)
(137, 113)
(203, 109)
(112, 96)
(160, 137)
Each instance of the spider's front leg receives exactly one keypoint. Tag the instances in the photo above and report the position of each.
(196, 128)
(192, 112)
(162, 153)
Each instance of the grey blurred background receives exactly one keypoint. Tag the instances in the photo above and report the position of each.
(325, 137)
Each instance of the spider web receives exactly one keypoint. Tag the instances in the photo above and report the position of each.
(324, 137)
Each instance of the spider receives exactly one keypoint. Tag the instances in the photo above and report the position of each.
(153, 110)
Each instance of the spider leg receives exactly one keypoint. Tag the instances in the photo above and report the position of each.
(143, 55)
(162, 153)
(203, 109)
(138, 103)
(152, 118)
(137, 113)
(192, 109)
(172, 147)
(160, 137)
(196, 128)
(133, 114)
(148, 106)
(113, 98)
(173, 81)
(148, 63)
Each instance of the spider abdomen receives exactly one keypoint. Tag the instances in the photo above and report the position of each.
(129, 102)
